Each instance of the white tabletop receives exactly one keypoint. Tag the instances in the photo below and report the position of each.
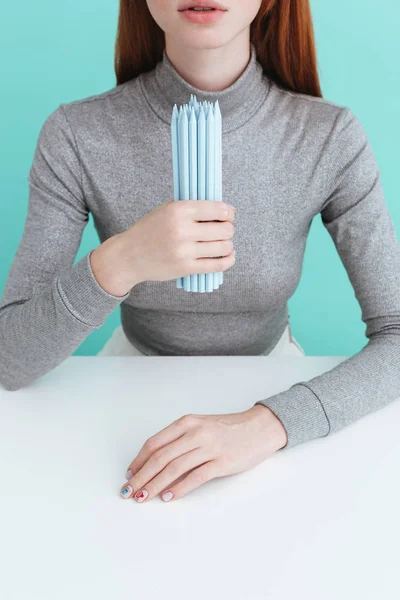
(321, 523)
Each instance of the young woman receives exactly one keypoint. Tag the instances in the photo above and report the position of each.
(288, 155)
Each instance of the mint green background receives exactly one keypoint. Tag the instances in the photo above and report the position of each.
(58, 52)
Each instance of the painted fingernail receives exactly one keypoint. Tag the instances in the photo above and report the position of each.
(129, 474)
(127, 491)
(141, 495)
(167, 496)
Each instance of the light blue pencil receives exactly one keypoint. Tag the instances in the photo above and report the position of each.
(210, 154)
(200, 276)
(214, 198)
(218, 169)
(193, 175)
(216, 275)
(183, 138)
(175, 165)
(201, 175)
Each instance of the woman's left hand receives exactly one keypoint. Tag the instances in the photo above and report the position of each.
(206, 445)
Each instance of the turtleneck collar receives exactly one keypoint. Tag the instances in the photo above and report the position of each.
(164, 87)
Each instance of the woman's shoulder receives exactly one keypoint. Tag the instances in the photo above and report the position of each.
(317, 118)
(118, 99)
(310, 111)
(108, 95)
(92, 118)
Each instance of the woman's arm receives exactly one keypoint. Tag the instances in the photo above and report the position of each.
(358, 220)
(49, 305)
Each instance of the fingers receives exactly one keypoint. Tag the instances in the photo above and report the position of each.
(208, 210)
(166, 478)
(203, 265)
(210, 221)
(158, 450)
(209, 232)
(154, 444)
(213, 249)
(171, 460)
(195, 479)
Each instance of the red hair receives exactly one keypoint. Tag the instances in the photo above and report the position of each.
(282, 33)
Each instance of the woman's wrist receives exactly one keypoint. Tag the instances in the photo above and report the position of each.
(107, 262)
(273, 426)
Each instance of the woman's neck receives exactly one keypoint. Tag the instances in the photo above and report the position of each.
(210, 69)
(164, 86)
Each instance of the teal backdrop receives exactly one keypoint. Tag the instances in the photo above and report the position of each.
(58, 52)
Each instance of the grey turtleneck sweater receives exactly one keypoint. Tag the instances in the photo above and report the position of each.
(286, 158)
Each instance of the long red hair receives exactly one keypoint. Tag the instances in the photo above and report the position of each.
(282, 33)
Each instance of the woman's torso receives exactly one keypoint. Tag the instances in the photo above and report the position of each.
(273, 172)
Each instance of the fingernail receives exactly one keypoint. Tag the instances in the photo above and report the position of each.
(141, 495)
(129, 474)
(167, 496)
(232, 206)
(127, 491)
(234, 252)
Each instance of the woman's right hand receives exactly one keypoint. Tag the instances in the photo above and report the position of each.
(171, 242)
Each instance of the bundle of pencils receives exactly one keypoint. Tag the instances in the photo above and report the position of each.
(196, 134)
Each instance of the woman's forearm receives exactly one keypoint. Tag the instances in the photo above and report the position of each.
(40, 330)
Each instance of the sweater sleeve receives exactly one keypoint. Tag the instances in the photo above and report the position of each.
(49, 306)
(358, 220)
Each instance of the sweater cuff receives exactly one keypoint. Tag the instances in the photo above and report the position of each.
(83, 295)
(300, 412)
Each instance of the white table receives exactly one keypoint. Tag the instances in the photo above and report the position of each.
(322, 522)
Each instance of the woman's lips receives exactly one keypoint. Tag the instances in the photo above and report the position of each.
(202, 16)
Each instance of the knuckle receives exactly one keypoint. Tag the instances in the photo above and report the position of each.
(187, 420)
(174, 469)
(224, 263)
(225, 212)
(185, 205)
(230, 229)
(185, 209)
(151, 445)
(227, 246)
(159, 457)
(202, 474)
(174, 207)
(198, 476)
(224, 466)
